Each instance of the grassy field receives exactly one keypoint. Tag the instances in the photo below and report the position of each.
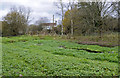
(48, 56)
(0, 56)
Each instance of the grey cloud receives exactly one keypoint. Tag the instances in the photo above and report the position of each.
(41, 8)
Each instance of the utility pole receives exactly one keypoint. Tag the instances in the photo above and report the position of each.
(53, 25)
(53, 20)
(62, 15)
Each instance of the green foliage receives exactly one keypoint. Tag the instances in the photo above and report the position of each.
(14, 24)
(16, 21)
(57, 29)
(44, 56)
(66, 22)
(0, 56)
(89, 18)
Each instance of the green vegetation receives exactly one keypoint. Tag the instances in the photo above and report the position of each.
(88, 18)
(108, 39)
(82, 23)
(0, 56)
(48, 56)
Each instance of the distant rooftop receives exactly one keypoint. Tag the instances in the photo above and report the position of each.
(48, 24)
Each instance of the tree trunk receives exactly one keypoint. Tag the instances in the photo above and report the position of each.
(71, 27)
(62, 17)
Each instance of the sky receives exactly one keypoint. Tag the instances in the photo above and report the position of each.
(40, 8)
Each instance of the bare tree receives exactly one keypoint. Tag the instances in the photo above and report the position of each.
(71, 6)
(60, 5)
(65, 7)
(95, 14)
(16, 21)
(26, 11)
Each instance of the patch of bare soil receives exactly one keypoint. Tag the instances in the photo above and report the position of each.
(81, 49)
(90, 51)
(39, 38)
(62, 47)
(42, 38)
(11, 41)
(39, 44)
(103, 44)
(22, 40)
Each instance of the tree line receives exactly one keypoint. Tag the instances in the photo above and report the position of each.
(86, 18)
(78, 18)
(16, 22)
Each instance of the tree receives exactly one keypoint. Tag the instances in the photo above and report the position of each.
(65, 6)
(94, 14)
(61, 6)
(86, 18)
(33, 29)
(71, 14)
(40, 22)
(25, 11)
(57, 29)
(15, 23)
(66, 22)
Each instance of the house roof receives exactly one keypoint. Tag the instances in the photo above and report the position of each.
(48, 24)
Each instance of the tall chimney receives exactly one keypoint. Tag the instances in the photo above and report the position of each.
(56, 23)
(53, 20)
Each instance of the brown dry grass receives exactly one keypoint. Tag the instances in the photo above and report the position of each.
(107, 40)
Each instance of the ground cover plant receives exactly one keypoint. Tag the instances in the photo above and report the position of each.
(0, 56)
(46, 56)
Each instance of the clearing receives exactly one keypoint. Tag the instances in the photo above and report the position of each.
(47, 56)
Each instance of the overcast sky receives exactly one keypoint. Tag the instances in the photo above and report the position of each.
(40, 8)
